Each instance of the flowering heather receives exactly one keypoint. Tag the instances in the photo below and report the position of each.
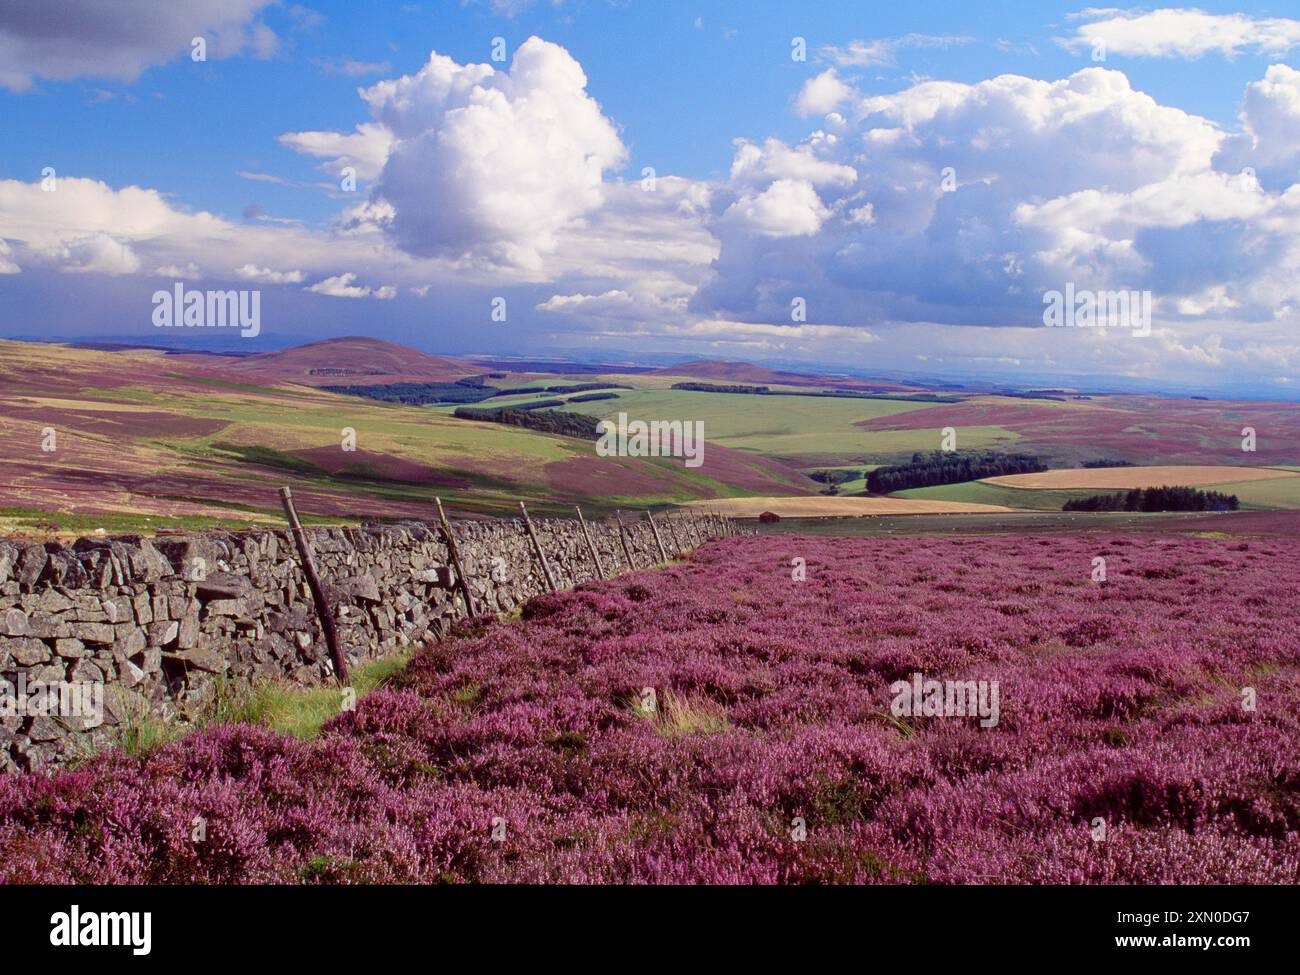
(767, 751)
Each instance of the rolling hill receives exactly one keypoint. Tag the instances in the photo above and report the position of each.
(140, 439)
(353, 360)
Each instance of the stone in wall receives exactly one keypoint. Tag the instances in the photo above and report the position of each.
(156, 621)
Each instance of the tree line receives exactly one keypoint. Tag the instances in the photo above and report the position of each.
(1156, 499)
(950, 467)
(469, 390)
(551, 421)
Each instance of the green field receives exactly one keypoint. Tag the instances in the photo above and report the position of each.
(810, 430)
(983, 493)
(1282, 492)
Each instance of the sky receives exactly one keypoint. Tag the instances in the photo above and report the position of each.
(889, 189)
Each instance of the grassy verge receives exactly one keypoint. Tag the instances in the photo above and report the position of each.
(283, 707)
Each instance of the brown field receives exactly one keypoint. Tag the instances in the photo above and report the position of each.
(1124, 478)
(820, 506)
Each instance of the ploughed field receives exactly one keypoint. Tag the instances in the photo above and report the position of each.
(520, 752)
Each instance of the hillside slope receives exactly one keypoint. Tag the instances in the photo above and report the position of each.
(352, 361)
(139, 434)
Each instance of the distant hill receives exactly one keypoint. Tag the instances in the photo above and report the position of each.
(747, 372)
(149, 440)
(352, 361)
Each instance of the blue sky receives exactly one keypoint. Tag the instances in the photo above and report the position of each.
(1164, 166)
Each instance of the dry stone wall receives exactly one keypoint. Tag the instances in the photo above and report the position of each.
(156, 622)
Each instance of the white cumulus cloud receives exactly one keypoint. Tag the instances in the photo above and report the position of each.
(341, 286)
(483, 164)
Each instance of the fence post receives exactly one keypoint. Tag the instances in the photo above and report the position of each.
(591, 547)
(546, 566)
(622, 537)
(658, 541)
(454, 549)
(313, 583)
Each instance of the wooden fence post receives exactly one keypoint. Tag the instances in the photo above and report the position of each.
(546, 566)
(454, 549)
(658, 541)
(323, 610)
(591, 547)
(622, 537)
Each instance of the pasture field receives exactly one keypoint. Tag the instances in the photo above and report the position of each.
(1263, 488)
(1125, 478)
(985, 492)
(807, 431)
(776, 704)
(1273, 493)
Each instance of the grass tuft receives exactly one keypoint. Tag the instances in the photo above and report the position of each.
(281, 706)
(680, 715)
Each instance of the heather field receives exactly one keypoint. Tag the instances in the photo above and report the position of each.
(152, 441)
(1124, 751)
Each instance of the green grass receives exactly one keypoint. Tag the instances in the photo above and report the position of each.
(788, 426)
(1281, 492)
(242, 387)
(33, 519)
(981, 492)
(851, 487)
(268, 457)
(291, 709)
(283, 707)
(857, 485)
